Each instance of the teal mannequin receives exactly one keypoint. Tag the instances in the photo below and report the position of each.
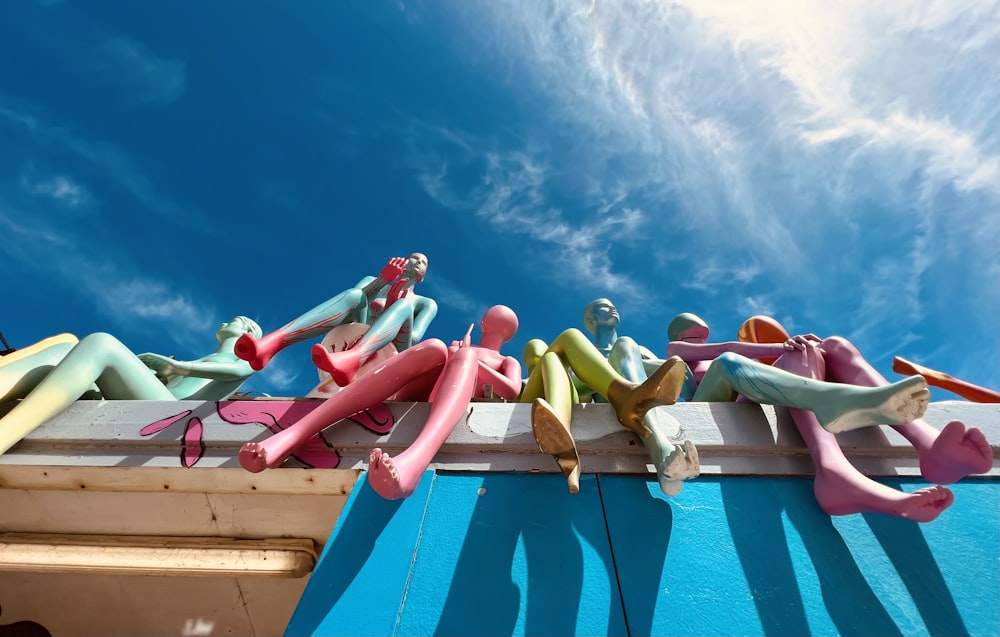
(369, 301)
(674, 463)
(51, 375)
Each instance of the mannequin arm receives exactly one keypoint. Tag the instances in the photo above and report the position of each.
(693, 352)
(506, 382)
(166, 367)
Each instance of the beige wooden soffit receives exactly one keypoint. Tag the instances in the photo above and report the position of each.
(138, 555)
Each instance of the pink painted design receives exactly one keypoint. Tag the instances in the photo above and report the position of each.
(377, 419)
(192, 444)
(160, 425)
(276, 416)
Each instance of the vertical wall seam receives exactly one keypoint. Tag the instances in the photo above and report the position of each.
(614, 562)
(413, 558)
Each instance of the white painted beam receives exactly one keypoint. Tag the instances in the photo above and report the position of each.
(732, 438)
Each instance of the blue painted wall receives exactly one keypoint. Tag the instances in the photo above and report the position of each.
(514, 554)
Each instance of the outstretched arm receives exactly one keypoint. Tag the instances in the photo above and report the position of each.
(693, 352)
(965, 389)
(167, 368)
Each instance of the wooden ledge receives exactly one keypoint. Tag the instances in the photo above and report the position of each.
(732, 438)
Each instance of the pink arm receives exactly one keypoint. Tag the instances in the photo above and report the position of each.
(506, 382)
(693, 352)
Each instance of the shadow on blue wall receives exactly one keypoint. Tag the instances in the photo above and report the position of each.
(905, 545)
(754, 511)
(360, 579)
(515, 554)
(485, 570)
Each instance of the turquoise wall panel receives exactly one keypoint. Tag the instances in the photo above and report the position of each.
(513, 554)
(358, 584)
(756, 556)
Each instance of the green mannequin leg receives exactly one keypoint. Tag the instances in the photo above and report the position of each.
(837, 406)
(630, 400)
(98, 358)
(18, 377)
(552, 395)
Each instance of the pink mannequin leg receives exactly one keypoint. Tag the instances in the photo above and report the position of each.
(946, 456)
(393, 322)
(378, 384)
(395, 478)
(345, 307)
(839, 487)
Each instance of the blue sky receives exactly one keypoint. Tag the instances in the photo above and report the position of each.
(836, 165)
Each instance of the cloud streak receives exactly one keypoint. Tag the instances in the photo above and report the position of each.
(145, 77)
(819, 155)
(511, 190)
(101, 276)
(114, 165)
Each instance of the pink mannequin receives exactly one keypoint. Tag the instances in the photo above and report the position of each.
(839, 487)
(468, 372)
(447, 377)
(945, 457)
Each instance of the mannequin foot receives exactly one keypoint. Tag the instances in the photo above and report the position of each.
(843, 495)
(554, 438)
(631, 401)
(678, 466)
(253, 457)
(956, 453)
(389, 478)
(246, 349)
(896, 404)
(341, 366)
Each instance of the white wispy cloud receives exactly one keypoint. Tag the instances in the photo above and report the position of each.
(102, 276)
(115, 165)
(58, 187)
(710, 94)
(449, 295)
(757, 305)
(145, 76)
(278, 376)
(511, 191)
(835, 156)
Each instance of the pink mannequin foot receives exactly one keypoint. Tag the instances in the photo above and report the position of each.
(843, 495)
(342, 366)
(956, 453)
(321, 358)
(246, 348)
(253, 457)
(390, 478)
